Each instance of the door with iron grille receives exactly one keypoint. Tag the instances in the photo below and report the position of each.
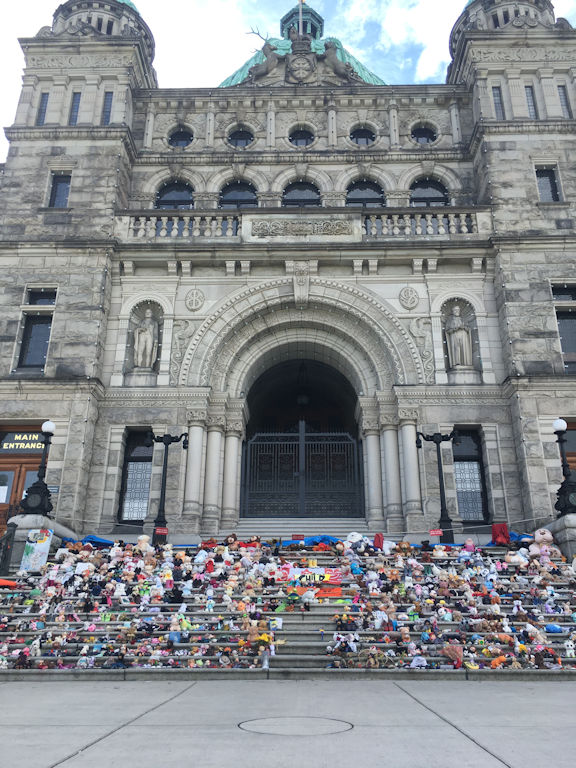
(302, 474)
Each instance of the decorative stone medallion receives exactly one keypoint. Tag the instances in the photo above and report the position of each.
(409, 297)
(194, 300)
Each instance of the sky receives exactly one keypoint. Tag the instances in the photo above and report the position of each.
(201, 42)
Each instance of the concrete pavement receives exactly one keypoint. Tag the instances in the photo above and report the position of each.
(319, 723)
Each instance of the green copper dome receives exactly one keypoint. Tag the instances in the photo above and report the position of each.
(130, 3)
(285, 46)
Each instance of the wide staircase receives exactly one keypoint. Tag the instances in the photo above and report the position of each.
(122, 635)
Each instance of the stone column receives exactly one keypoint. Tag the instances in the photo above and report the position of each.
(455, 122)
(393, 509)
(374, 503)
(212, 490)
(232, 446)
(149, 129)
(271, 126)
(413, 514)
(517, 95)
(210, 123)
(25, 114)
(117, 378)
(332, 130)
(394, 127)
(165, 351)
(87, 112)
(192, 509)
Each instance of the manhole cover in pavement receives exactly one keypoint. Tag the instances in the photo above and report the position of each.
(296, 726)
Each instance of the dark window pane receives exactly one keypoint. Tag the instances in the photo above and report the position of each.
(424, 134)
(498, 103)
(74, 109)
(175, 195)
(547, 185)
(365, 194)
(531, 102)
(363, 137)
(107, 108)
(564, 292)
(35, 341)
(567, 331)
(565, 102)
(238, 195)
(240, 138)
(301, 137)
(301, 194)
(39, 297)
(109, 27)
(468, 478)
(181, 138)
(60, 191)
(42, 107)
(136, 474)
(428, 192)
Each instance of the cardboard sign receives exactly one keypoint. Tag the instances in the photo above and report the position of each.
(161, 531)
(435, 532)
(36, 549)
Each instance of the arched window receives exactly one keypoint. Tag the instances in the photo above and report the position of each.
(365, 194)
(175, 195)
(426, 193)
(238, 194)
(301, 194)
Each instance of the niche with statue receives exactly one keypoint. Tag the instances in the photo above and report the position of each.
(461, 343)
(144, 344)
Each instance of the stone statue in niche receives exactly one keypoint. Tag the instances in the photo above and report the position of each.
(458, 340)
(146, 341)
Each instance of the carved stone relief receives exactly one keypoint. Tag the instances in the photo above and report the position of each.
(182, 333)
(421, 329)
(408, 297)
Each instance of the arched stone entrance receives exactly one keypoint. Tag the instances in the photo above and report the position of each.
(302, 455)
(301, 319)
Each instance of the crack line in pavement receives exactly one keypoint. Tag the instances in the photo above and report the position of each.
(120, 727)
(452, 725)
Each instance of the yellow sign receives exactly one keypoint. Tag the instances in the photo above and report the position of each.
(21, 442)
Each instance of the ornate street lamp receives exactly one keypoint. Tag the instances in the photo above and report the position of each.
(566, 503)
(445, 522)
(160, 524)
(37, 500)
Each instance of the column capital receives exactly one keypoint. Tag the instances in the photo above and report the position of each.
(370, 426)
(388, 419)
(216, 422)
(235, 427)
(408, 414)
(196, 417)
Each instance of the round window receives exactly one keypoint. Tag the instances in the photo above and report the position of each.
(301, 137)
(424, 134)
(181, 138)
(363, 137)
(240, 138)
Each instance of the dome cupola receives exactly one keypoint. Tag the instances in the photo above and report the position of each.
(312, 22)
(497, 15)
(113, 18)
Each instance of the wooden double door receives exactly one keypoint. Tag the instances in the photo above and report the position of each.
(16, 475)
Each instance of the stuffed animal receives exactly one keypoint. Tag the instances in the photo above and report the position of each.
(570, 649)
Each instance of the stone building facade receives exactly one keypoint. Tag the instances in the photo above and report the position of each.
(301, 260)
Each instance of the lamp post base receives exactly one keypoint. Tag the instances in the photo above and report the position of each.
(566, 504)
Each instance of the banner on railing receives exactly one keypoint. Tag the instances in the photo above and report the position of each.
(309, 575)
(36, 549)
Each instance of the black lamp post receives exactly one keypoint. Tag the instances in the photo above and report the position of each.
(37, 500)
(160, 526)
(566, 503)
(445, 522)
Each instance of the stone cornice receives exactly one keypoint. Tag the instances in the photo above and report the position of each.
(61, 132)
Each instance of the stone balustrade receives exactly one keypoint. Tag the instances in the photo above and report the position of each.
(306, 225)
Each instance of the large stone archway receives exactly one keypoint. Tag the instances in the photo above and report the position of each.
(296, 319)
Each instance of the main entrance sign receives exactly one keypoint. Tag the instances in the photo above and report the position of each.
(302, 474)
